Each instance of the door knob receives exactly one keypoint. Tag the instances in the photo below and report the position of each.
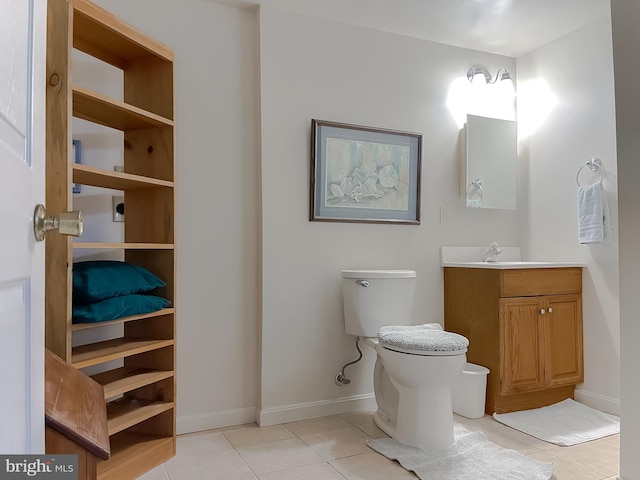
(542, 311)
(550, 310)
(68, 223)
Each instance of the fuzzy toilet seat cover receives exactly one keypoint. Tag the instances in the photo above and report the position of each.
(422, 339)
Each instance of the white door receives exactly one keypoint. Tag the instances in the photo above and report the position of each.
(22, 186)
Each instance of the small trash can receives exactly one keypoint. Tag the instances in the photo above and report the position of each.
(469, 390)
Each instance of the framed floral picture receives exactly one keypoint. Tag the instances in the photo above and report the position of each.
(364, 174)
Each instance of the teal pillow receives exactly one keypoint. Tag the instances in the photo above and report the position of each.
(118, 307)
(100, 279)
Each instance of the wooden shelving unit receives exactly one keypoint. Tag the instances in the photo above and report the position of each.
(122, 380)
(140, 391)
(87, 175)
(97, 108)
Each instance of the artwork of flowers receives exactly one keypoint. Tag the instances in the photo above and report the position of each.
(371, 174)
(364, 174)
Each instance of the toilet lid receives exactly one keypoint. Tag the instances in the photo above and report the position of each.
(422, 340)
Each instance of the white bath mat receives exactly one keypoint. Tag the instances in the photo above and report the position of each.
(472, 457)
(564, 423)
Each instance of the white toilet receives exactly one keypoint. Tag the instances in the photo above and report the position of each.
(415, 366)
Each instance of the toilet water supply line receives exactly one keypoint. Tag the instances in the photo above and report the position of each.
(340, 378)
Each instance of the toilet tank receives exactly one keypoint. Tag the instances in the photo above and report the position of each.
(377, 298)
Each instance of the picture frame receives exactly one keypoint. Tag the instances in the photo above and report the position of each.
(364, 174)
(77, 158)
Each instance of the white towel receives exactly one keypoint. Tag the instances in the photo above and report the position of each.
(471, 457)
(594, 223)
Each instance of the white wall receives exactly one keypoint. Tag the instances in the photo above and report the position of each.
(315, 68)
(217, 203)
(626, 38)
(578, 70)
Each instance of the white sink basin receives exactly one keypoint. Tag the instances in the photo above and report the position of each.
(467, 257)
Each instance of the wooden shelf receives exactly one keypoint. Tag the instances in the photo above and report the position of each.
(142, 431)
(101, 35)
(133, 318)
(124, 246)
(96, 177)
(134, 453)
(127, 412)
(101, 352)
(97, 108)
(125, 379)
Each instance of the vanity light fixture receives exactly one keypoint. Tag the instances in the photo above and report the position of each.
(480, 71)
(479, 75)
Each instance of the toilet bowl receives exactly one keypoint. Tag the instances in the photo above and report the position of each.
(423, 413)
(415, 365)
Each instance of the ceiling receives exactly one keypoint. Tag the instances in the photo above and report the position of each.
(506, 27)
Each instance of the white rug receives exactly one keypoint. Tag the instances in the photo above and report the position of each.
(472, 457)
(564, 423)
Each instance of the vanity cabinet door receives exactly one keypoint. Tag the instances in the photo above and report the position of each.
(562, 332)
(521, 355)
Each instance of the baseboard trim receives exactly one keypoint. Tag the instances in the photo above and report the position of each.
(597, 401)
(211, 420)
(304, 411)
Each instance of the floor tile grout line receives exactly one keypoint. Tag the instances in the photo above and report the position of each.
(299, 438)
(166, 472)
(255, 474)
(323, 460)
(336, 470)
(279, 469)
(586, 467)
(334, 430)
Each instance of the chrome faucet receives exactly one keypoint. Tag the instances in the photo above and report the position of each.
(491, 255)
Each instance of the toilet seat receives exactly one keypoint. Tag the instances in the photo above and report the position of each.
(422, 340)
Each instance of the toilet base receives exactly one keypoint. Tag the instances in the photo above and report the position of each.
(428, 426)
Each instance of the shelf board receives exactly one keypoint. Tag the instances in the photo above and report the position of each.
(134, 453)
(125, 379)
(101, 352)
(96, 177)
(127, 412)
(100, 34)
(133, 318)
(124, 246)
(97, 108)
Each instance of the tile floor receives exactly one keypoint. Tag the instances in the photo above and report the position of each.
(334, 448)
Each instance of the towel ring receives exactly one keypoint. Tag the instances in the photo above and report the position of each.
(594, 165)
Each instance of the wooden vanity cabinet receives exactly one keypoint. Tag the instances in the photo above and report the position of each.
(525, 325)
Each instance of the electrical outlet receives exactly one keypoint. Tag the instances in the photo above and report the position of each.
(118, 209)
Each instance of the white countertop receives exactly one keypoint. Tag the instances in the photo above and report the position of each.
(512, 265)
(467, 257)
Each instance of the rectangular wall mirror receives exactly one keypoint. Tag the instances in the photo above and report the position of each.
(488, 163)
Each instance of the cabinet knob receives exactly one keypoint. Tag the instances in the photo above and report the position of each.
(542, 311)
(550, 310)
